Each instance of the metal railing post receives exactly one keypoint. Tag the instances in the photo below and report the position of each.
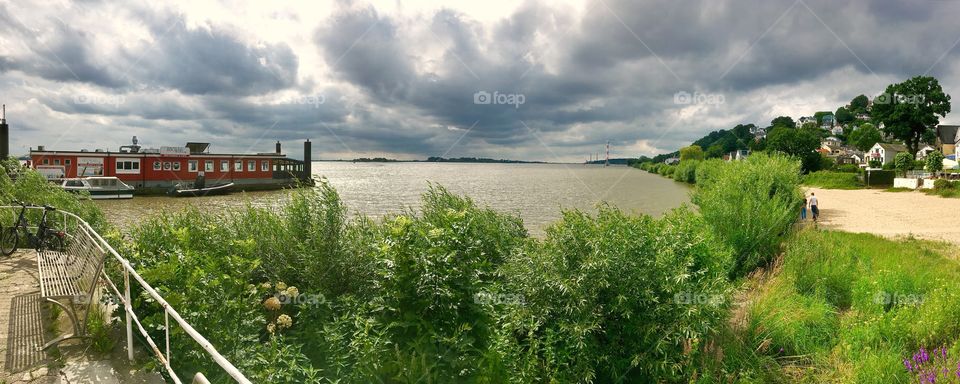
(129, 310)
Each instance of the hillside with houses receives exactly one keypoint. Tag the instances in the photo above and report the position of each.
(864, 135)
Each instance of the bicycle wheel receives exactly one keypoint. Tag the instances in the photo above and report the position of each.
(9, 239)
(50, 242)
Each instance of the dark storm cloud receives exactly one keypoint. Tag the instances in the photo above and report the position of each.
(405, 83)
(212, 61)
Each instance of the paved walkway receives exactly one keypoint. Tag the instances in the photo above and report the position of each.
(25, 324)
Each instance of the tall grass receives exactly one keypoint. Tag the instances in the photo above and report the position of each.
(851, 307)
(750, 204)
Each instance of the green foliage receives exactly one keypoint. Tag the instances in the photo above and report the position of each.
(693, 152)
(903, 162)
(783, 121)
(844, 116)
(22, 184)
(614, 298)
(750, 204)
(800, 143)
(854, 305)
(859, 104)
(819, 116)
(850, 168)
(934, 161)
(943, 185)
(865, 136)
(832, 180)
(686, 171)
(910, 110)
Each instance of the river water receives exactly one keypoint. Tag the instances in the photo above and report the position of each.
(537, 192)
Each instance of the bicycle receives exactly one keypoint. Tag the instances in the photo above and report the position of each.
(45, 238)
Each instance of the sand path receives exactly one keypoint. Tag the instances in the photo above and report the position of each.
(890, 214)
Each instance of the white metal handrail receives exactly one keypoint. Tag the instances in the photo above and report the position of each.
(131, 317)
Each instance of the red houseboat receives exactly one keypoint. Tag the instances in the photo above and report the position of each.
(157, 170)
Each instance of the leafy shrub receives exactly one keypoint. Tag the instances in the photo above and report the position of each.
(943, 184)
(614, 298)
(934, 161)
(903, 162)
(686, 171)
(750, 205)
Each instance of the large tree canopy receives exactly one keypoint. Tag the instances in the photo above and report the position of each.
(783, 121)
(865, 136)
(801, 143)
(859, 104)
(911, 110)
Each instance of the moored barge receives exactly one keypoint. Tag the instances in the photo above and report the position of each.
(156, 171)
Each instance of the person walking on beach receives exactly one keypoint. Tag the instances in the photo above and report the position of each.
(803, 209)
(813, 206)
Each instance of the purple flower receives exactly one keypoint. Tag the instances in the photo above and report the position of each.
(906, 363)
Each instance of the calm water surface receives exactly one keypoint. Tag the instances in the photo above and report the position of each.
(537, 192)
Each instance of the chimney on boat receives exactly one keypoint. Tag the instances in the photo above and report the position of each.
(278, 147)
(4, 134)
(307, 159)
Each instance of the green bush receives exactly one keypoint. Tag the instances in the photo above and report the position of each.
(943, 184)
(614, 298)
(832, 180)
(686, 171)
(750, 204)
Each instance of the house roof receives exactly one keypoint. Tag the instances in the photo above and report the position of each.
(893, 147)
(948, 133)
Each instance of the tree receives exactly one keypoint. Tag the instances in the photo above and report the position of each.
(843, 116)
(783, 121)
(903, 161)
(859, 104)
(819, 116)
(865, 137)
(909, 110)
(799, 143)
(714, 151)
(693, 152)
(934, 161)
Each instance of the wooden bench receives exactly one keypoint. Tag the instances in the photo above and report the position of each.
(69, 278)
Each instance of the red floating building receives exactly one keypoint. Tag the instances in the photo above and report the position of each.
(156, 170)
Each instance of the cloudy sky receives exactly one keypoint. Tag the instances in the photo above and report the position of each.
(537, 80)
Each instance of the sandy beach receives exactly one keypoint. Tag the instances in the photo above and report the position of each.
(890, 214)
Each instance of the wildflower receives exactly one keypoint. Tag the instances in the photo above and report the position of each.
(272, 303)
(281, 286)
(266, 285)
(906, 363)
(271, 328)
(284, 321)
(293, 291)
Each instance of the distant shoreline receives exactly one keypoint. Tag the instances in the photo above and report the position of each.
(618, 161)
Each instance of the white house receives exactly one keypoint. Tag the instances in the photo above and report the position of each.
(923, 152)
(885, 152)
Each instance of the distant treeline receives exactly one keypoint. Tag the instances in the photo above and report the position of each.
(437, 159)
(375, 160)
(618, 161)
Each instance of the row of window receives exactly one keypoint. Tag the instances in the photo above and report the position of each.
(46, 161)
(208, 165)
(133, 165)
